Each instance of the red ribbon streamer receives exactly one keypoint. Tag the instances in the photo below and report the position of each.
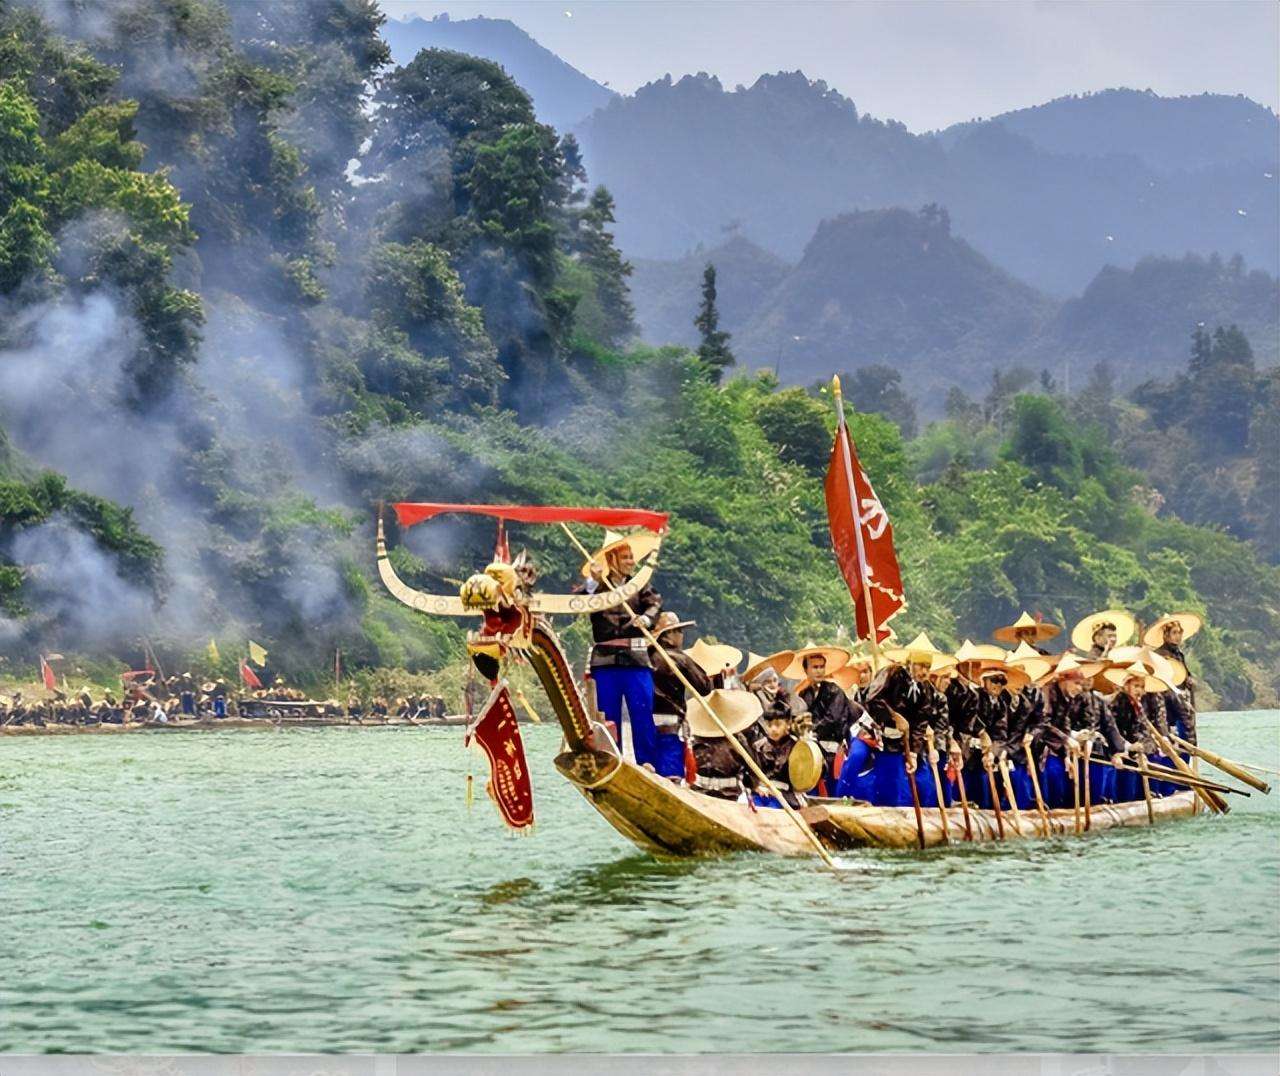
(410, 513)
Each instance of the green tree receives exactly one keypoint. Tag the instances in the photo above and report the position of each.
(877, 389)
(713, 347)
(609, 270)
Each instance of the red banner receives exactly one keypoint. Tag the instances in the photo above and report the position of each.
(249, 677)
(872, 558)
(410, 513)
(498, 734)
(46, 674)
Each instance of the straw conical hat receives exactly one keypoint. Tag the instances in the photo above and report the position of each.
(642, 543)
(737, 710)
(1027, 623)
(669, 621)
(1120, 675)
(1082, 634)
(1070, 665)
(921, 646)
(836, 659)
(713, 658)
(757, 664)
(1191, 623)
(1017, 677)
(1029, 660)
(971, 651)
(1167, 669)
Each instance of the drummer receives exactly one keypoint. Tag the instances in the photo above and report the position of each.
(831, 711)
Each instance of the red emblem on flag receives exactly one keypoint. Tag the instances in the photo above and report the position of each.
(862, 538)
(498, 734)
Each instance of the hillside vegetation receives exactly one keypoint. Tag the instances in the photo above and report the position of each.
(222, 346)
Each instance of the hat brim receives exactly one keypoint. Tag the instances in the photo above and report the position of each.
(714, 658)
(1082, 633)
(661, 629)
(1043, 631)
(1191, 623)
(737, 710)
(1121, 675)
(642, 544)
(777, 662)
(836, 659)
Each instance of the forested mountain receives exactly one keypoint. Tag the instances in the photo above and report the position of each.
(222, 344)
(1169, 134)
(896, 287)
(562, 95)
(685, 159)
(666, 293)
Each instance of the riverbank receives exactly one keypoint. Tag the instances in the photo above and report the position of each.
(226, 723)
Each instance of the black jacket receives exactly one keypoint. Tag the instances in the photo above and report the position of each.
(619, 642)
(832, 713)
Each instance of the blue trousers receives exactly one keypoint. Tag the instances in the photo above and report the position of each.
(669, 752)
(1129, 785)
(635, 684)
(1056, 784)
(857, 776)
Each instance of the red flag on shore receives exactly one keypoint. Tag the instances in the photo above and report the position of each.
(498, 734)
(249, 677)
(861, 536)
(46, 674)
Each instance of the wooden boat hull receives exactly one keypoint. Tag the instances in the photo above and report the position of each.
(669, 820)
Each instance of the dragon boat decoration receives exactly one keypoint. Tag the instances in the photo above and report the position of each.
(667, 817)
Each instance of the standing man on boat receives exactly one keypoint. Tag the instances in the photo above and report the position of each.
(1098, 633)
(1166, 637)
(670, 704)
(620, 663)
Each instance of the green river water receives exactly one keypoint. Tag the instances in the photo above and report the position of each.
(327, 890)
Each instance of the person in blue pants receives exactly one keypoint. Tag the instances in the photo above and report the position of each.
(670, 696)
(621, 667)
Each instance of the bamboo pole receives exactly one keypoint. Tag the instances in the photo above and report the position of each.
(1073, 753)
(909, 765)
(1088, 790)
(988, 764)
(1172, 776)
(738, 748)
(1146, 789)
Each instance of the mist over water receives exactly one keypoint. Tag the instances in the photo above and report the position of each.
(329, 890)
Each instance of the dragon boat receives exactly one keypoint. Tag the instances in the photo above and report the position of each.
(657, 814)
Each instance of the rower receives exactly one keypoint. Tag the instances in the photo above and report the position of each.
(831, 712)
(1073, 714)
(620, 664)
(721, 771)
(904, 688)
(1028, 630)
(1140, 695)
(669, 700)
(1098, 633)
(773, 751)
(1166, 637)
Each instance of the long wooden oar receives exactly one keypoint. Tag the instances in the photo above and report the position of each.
(1073, 754)
(957, 760)
(988, 764)
(937, 783)
(1172, 776)
(1035, 784)
(1088, 790)
(1008, 787)
(904, 728)
(1224, 764)
(738, 748)
(1212, 799)
(1146, 789)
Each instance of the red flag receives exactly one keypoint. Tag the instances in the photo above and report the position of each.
(46, 674)
(862, 540)
(409, 514)
(501, 547)
(249, 677)
(498, 734)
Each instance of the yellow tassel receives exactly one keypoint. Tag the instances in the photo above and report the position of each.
(471, 795)
(533, 714)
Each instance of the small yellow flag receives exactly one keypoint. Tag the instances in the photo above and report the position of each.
(214, 656)
(256, 654)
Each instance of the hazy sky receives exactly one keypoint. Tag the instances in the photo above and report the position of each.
(925, 63)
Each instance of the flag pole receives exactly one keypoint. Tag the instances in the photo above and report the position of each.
(842, 428)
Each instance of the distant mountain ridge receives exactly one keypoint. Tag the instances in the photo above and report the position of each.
(1170, 134)
(562, 95)
(685, 159)
(897, 287)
